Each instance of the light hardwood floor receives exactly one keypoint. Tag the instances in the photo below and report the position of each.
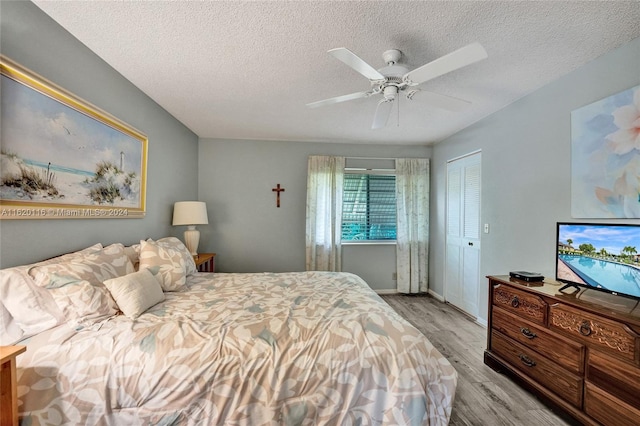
(483, 397)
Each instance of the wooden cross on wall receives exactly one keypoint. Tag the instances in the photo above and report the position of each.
(278, 190)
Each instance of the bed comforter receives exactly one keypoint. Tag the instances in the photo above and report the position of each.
(309, 348)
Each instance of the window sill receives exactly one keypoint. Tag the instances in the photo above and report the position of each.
(369, 243)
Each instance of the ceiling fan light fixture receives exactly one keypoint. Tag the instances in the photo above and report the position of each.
(390, 93)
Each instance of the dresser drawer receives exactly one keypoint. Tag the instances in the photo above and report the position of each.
(604, 334)
(618, 378)
(565, 352)
(560, 381)
(607, 409)
(521, 303)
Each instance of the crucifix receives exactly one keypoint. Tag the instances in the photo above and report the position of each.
(278, 190)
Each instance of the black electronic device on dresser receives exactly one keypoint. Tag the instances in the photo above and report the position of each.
(526, 276)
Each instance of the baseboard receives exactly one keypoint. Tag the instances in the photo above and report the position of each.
(481, 322)
(436, 296)
(394, 291)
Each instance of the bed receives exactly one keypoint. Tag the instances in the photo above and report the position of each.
(135, 335)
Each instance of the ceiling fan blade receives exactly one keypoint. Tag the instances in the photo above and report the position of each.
(383, 111)
(348, 57)
(462, 57)
(440, 101)
(338, 99)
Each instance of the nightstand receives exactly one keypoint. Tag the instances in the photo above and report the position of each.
(205, 262)
(9, 384)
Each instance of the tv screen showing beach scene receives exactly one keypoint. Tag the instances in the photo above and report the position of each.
(601, 256)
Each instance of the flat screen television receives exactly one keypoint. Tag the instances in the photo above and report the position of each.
(604, 257)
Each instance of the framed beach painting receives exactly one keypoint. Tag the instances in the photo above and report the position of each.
(63, 158)
(605, 157)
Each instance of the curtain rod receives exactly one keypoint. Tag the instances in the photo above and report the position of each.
(371, 158)
(386, 158)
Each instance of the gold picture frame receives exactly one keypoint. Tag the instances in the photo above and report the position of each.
(63, 158)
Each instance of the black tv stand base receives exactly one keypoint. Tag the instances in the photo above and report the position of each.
(566, 286)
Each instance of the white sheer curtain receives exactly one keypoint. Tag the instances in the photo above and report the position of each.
(324, 213)
(412, 247)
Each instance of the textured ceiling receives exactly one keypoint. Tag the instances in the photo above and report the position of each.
(245, 70)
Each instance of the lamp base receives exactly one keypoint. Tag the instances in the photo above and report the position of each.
(192, 239)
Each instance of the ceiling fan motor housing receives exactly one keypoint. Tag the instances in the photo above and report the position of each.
(393, 74)
(394, 71)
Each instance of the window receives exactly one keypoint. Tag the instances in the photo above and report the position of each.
(368, 207)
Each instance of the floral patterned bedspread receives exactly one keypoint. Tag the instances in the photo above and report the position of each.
(308, 348)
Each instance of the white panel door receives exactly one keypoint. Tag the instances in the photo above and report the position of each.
(462, 239)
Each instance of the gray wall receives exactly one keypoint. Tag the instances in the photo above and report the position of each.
(526, 166)
(31, 38)
(246, 229)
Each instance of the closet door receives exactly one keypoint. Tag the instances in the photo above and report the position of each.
(462, 239)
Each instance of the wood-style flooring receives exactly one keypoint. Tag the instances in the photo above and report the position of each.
(483, 397)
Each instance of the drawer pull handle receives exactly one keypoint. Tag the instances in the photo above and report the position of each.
(528, 333)
(527, 361)
(585, 328)
(515, 302)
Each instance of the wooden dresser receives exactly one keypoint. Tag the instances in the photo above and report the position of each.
(579, 352)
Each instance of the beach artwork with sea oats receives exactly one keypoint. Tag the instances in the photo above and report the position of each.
(55, 154)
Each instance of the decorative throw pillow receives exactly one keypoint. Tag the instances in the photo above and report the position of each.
(179, 247)
(171, 257)
(77, 285)
(136, 292)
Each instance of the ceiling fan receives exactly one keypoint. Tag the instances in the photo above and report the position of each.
(389, 81)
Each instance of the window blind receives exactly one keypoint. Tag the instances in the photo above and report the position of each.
(369, 207)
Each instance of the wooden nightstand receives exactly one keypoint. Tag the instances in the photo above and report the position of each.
(205, 262)
(9, 384)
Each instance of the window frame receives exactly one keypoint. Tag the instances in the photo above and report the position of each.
(367, 171)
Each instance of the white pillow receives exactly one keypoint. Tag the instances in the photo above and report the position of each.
(136, 292)
(10, 331)
(32, 308)
(28, 306)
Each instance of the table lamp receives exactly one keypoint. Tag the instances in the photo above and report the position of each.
(190, 213)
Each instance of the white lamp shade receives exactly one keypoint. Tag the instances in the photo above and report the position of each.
(190, 213)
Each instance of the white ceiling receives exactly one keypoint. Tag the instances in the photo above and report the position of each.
(245, 70)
